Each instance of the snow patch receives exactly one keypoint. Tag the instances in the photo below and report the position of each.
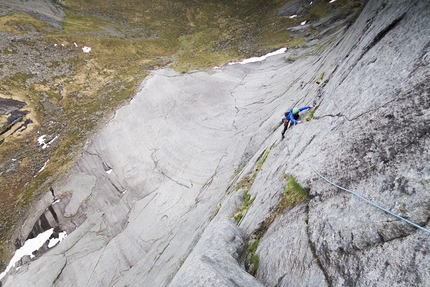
(259, 59)
(43, 167)
(30, 246)
(55, 241)
(41, 141)
(293, 16)
(86, 49)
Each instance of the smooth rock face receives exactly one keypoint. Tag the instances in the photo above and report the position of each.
(43, 10)
(149, 202)
(287, 260)
(214, 260)
(295, 8)
(292, 8)
(151, 180)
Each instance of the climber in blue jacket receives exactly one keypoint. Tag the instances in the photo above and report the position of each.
(292, 116)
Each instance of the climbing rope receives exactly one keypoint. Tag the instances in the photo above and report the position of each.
(357, 195)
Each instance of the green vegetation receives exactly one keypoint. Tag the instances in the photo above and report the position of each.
(20, 23)
(128, 39)
(247, 201)
(246, 184)
(320, 78)
(310, 115)
(293, 194)
(8, 51)
(197, 34)
(252, 260)
(252, 247)
(255, 260)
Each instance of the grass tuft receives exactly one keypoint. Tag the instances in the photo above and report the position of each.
(247, 201)
(310, 115)
(246, 184)
(320, 78)
(293, 194)
(252, 259)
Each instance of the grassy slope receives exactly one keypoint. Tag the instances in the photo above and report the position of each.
(127, 39)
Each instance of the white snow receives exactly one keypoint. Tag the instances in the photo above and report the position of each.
(43, 167)
(76, 45)
(332, 1)
(304, 22)
(51, 141)
(259, 59)
(41, 141)
(29, 247)
(55, 241)
(293, 16)
(86, 49)
(109, 171)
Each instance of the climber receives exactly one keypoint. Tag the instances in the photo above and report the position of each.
(292, 116)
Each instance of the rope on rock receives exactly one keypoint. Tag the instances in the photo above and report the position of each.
(365, 199)
(359, 196)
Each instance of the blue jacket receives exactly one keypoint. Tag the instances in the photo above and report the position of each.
(290, 115)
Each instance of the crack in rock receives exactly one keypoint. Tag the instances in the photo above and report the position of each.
(313, 249)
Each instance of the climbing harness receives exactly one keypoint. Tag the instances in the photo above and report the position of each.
(359, 196)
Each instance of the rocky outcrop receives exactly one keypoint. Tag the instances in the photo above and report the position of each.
(44, 10)
(294, 8)
(214, 260)
(150, 201)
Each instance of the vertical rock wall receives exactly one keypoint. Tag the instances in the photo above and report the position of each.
(370, 134)
(150, 202)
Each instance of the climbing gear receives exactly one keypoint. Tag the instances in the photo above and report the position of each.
(296, 111)
(357, 195)
(365, 199)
